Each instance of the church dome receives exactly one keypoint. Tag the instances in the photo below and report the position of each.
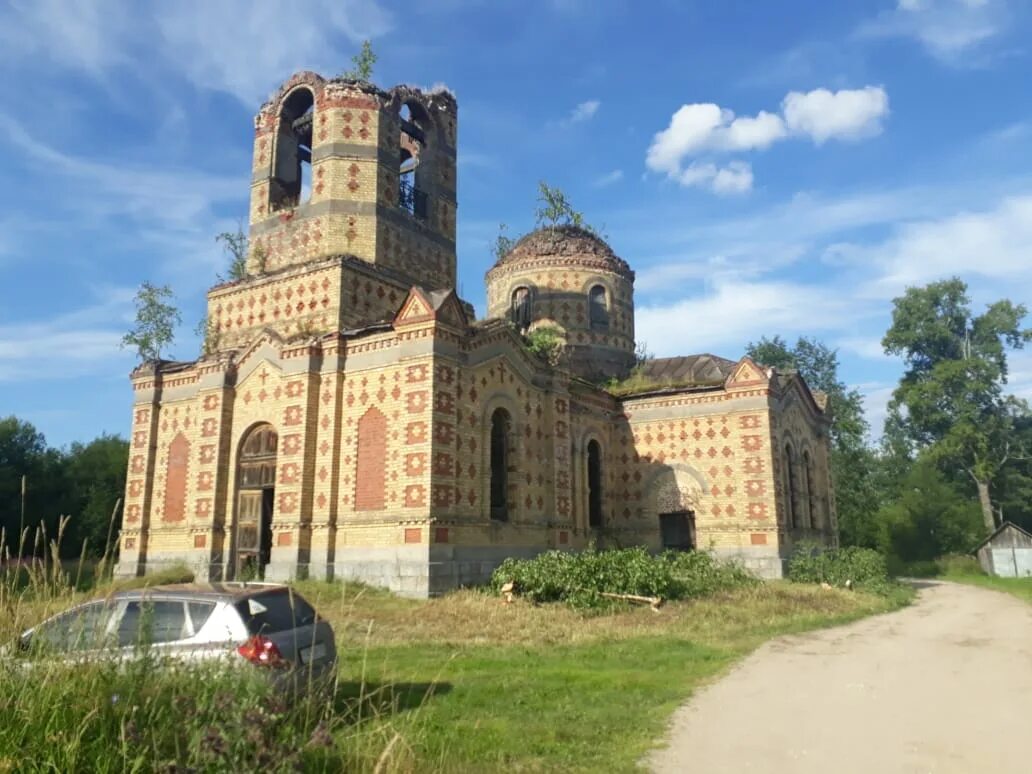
(568, 278)
(562, 246)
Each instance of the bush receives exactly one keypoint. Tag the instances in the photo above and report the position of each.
(959, 564)
(865, 567)
(580, 579)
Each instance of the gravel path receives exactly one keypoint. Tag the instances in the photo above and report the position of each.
(944, 685)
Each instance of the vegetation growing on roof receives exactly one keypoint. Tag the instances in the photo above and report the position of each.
(547, 343)
(362, 64)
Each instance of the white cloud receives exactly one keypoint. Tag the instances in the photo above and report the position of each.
(236, 46)
(703, 129)
(735, 177)
(88, 340)
(708, 127)
(846, 114)
(585, 111)
(609, 178)
(732, 312)
(992, 244)
(949, 30)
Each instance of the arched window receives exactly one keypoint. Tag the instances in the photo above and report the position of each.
(292, 174)
(501, 425)
(810, 494)
(520, 310)
(598, 308)
(594, 484)
(791, 487)
(371, 465)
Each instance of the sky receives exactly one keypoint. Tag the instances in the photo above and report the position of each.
(766, 168)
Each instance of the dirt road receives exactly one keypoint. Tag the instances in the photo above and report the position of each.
(942, 686)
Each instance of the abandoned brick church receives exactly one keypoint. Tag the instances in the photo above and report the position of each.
(350, 416)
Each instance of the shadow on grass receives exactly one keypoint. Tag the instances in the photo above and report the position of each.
(357, 701)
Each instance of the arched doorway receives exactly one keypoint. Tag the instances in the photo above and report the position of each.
(256, 493)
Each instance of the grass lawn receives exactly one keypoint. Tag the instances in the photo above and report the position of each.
(465, 683)
(1019, 587)
(459, 683)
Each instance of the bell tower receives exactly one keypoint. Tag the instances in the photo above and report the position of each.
(342, 167)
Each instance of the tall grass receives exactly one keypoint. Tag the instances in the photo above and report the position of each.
(91, 712)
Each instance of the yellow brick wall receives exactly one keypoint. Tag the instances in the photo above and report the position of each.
(730, 452)
(363, 178)
(571, 315)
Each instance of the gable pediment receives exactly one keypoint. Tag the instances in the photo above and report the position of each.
(746, 374)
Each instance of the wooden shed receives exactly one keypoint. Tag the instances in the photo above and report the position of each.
(1007, 552)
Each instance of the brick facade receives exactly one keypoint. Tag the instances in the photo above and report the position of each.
(348, 341)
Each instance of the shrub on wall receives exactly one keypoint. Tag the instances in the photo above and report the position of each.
(581, 579)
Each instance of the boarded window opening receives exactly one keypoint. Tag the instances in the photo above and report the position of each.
(501, 425)
(677, 530)
(594, 484)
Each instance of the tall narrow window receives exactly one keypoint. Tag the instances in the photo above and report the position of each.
(520, 308)
(791, 487)
(291, 180)
(594, 484)
(370, 469)
(598, 308)
(501, 424)
(808, 492)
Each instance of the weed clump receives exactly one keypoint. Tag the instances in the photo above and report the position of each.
(582, 579)
(865, 568)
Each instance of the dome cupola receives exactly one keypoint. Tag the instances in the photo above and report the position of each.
(568, 277)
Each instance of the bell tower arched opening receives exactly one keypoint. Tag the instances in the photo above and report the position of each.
(292, 175)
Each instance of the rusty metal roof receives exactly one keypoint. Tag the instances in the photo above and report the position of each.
(689, 369)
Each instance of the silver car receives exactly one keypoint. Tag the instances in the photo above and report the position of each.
(269, 626)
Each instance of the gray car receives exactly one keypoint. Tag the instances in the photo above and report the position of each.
(269, 626)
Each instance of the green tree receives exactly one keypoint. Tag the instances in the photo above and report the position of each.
(235, 244)
(555, 209)
(503, 243)
(362, 64)
(852, 461)
(156, 320)
(96, 473)
(929, 517)
(950, 402)
(24, 455)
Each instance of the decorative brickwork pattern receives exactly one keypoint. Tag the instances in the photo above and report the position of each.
(370, 468)
(175, 478)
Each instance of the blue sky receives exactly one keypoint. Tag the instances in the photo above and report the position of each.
(767, 168)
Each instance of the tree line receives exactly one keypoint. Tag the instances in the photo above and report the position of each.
(955, 457)
(40, 484)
